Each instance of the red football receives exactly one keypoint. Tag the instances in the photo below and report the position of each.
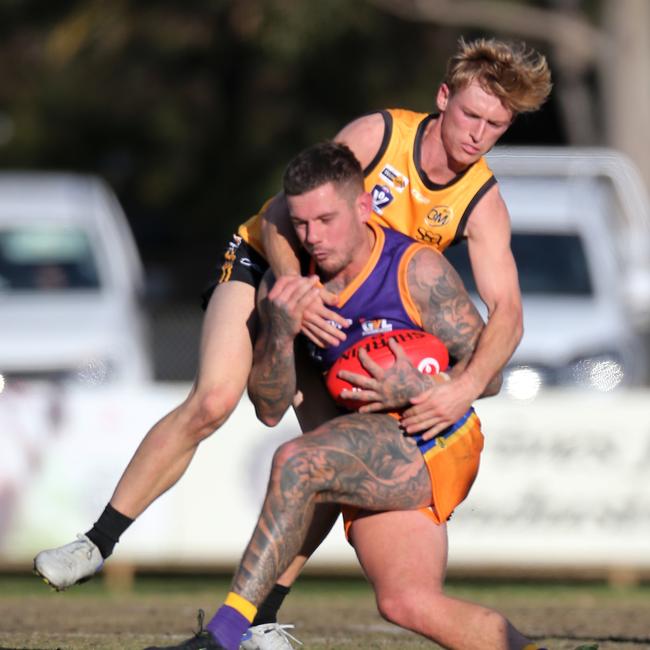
(425, 351)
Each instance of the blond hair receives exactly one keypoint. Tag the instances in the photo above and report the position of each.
(519, 76)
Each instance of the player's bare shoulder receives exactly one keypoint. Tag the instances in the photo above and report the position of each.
(445, 307)
(364, 136)
(428, 269)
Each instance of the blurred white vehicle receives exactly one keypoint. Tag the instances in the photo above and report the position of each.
(70, 282)
(580, 236)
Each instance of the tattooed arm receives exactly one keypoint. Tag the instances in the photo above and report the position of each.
(448, 312)
(272, 380)
(446, 309)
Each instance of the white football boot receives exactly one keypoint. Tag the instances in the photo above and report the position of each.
(269, 636)
(69, 565)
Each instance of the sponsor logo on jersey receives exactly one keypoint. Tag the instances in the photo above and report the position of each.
(394, 178)
(427, 236)
(381, 197)
(418, 196)
(439, 216)
(429, 366)
(375, 326)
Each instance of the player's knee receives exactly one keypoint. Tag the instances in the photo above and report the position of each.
(403, 608)
(391, 607)
(216, 405)
(286, 455)
(296, 457)
(208, 410)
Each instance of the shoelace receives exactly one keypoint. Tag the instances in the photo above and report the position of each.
(282, 628)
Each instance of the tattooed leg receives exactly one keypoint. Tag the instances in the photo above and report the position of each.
(358, 460)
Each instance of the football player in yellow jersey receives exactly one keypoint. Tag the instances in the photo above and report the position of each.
(487, 84)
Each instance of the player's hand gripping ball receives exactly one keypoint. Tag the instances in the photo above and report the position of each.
(426, 352)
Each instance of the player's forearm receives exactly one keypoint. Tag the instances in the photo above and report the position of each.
(272, 381)
(279, 239)
(495, 346)
(492, 387)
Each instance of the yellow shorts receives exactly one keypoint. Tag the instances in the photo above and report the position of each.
(452, 458)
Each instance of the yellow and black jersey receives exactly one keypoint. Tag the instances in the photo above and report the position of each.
(403, 196)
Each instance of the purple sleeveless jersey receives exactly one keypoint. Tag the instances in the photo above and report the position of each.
(377, 305)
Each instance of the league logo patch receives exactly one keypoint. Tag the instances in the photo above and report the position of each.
(394, 178)
(439, 216)
(381, 197)
(375, 326)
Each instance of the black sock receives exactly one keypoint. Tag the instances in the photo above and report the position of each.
(107, 530)
(268, 610)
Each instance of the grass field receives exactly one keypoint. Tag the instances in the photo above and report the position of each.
(328, 614)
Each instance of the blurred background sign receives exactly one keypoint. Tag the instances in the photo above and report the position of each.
(562, 486)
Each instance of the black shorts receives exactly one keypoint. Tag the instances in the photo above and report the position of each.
(241, 262)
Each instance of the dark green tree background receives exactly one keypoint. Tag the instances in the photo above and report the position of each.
(191, 109)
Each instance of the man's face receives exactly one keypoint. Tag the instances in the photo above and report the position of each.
(473, 120)
(330, 225)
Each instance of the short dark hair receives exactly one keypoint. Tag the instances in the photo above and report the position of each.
(325, 162)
